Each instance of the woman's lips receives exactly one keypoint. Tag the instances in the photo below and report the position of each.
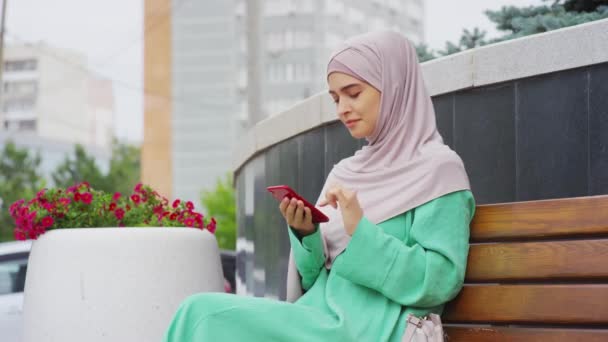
(352, 123)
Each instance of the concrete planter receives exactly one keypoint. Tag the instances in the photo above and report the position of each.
(115, 284)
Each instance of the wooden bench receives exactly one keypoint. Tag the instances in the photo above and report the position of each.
(537, 271)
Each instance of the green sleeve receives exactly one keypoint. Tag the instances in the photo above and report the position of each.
(427, 271)
(308, 255)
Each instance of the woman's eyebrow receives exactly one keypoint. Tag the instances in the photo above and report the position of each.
(344, 88)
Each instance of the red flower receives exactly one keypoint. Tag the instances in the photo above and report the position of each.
(77, 196)
(173, 216)
(65, 201)
(128, 207)
(119, 213)
(87, 198)
(40, 194)
(135, 198)
(189, 222)
(176, 203)
(138, 188)
(20, 234)
(189, 205)
(47, 221)
(158, 209)
(211, 226)
(71, 189)
(116, 196)
(112, 206)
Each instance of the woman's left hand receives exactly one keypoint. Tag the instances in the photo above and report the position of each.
(349, 205)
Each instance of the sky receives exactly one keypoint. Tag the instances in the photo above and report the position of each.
(110, 34)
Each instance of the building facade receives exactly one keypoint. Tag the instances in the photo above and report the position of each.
(47, 92)
(195, 74)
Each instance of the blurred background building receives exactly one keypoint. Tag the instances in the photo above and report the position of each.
(197, 71)
(45, 95)
(48, 104)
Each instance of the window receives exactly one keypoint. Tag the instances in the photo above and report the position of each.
(305, 6)
(289, 72)
(335, 7)
(12, 273)
(19, 105)
(21, 87)
(21, 65)
(27, 125)
(288, 39)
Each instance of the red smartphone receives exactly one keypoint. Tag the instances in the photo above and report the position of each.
(281, 191)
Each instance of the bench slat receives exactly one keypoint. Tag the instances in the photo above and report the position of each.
(499, 334)
(533, 261)
(540, 219)
(547, 304)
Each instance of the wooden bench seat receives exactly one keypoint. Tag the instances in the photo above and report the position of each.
(537, 271)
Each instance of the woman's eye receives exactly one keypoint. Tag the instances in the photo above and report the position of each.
(336, 101)
(354, 96)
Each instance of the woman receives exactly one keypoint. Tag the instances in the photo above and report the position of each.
(399, 209)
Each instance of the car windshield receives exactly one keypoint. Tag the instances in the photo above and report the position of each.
(12, 273)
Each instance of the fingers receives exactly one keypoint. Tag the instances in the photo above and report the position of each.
(298, 219)
(283, 205)
(337, 194)
(307, 216)
(290, 211)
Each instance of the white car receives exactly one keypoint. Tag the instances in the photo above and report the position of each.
(13, 265)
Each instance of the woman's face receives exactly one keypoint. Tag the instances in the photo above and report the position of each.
(357, 102)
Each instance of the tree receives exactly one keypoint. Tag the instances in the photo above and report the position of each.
(123, 174)
(82, 167)
(517, 22)
(125, 167)
(221, 204)
(19, 178)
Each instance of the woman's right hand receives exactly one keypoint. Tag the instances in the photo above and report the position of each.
(297, 216)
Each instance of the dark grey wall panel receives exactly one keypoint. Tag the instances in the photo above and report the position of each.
(552, 133)
(484, 137)
(598, 129)
(312, 164)
(444, 112)
(339, 144)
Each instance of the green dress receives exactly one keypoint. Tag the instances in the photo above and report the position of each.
(411, 263)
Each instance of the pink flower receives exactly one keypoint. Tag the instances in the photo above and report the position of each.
(40, 193)
(138, 188)
(47, 221)
(211, 226)
(158, 209)
(189, 222)
(189, 205)
(20, 234)
(116, 196)
(119, 213)
(176, 203)
(87, 198)
(135, 198)
(71, 189)
(65, 201)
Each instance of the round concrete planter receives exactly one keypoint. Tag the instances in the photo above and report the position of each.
(115, 284)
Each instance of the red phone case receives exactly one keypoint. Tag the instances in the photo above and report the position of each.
(281, 191)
